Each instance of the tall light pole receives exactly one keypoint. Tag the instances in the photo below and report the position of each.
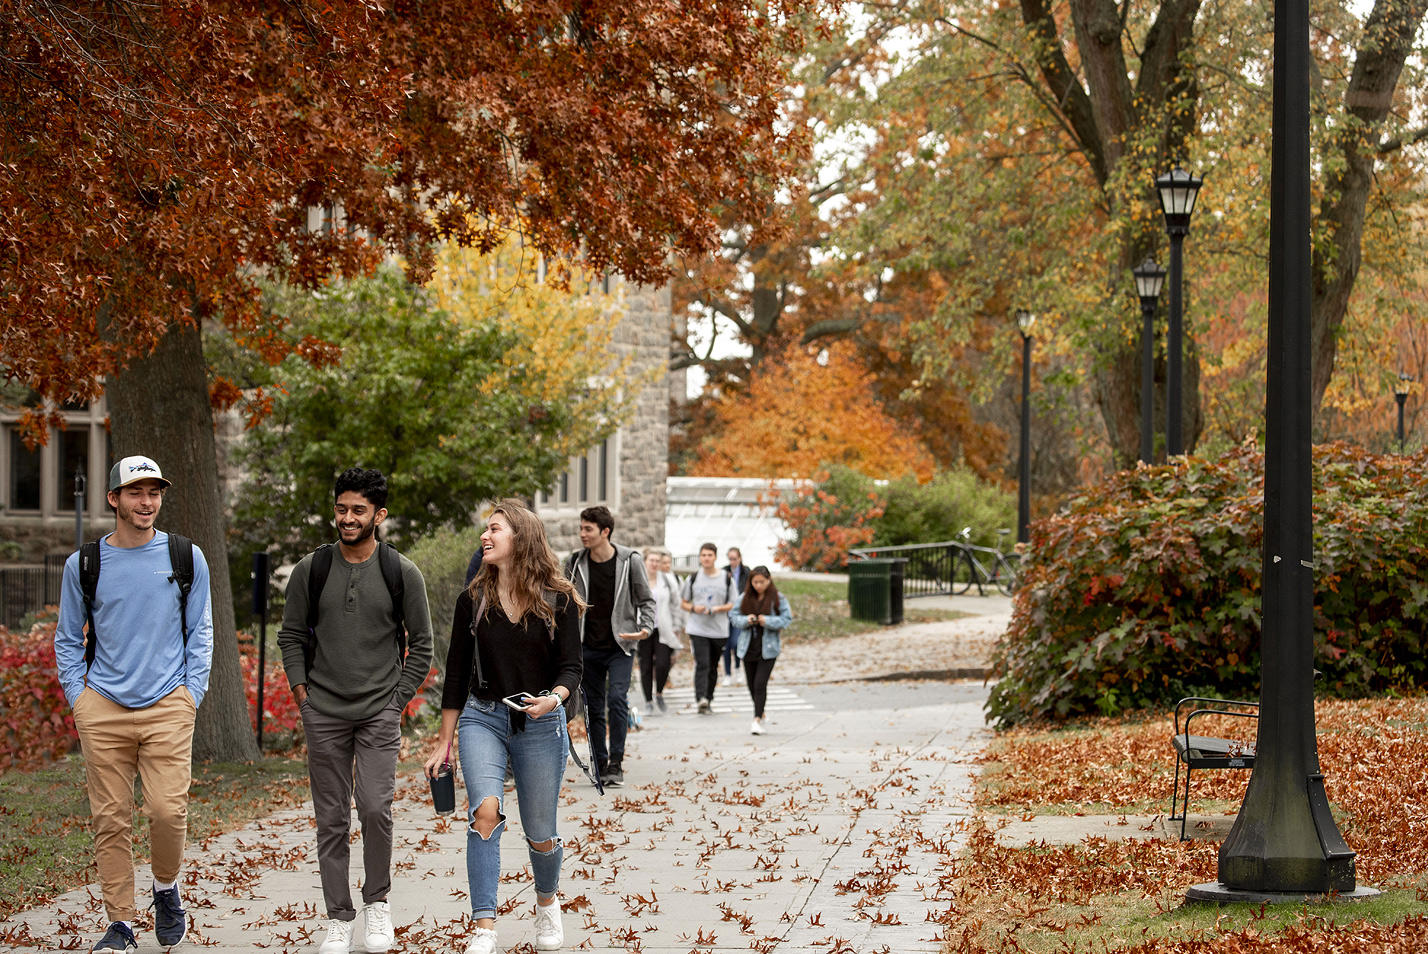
(1401, 387)
(1149, 277)
(1178, 190)
(1285, 844)
(79, 490)
(1024, 321)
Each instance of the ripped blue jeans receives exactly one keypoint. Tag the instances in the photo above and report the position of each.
(485, 741)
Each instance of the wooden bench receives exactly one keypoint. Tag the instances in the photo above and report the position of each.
(1203, 751)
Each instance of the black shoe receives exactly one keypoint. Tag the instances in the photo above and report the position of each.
(170, 922)
(602, 771)
(117, 940)
(615, 777)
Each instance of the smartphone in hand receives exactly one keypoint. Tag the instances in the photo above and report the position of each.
(514, 701)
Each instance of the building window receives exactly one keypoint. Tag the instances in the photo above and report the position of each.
(24, 473)
(591, 479)
(604, 469)
(73, 455)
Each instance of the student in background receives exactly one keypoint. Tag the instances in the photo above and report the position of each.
(740, 575)
(760, 618)
(707, 597)
(657, 652)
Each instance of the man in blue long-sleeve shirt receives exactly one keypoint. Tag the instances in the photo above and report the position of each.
(134, 706)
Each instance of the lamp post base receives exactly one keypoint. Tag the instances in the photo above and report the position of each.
(1214, 892)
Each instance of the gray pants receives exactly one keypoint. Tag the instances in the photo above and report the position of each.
(334, 747)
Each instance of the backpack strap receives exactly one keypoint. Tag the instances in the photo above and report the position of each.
(391, 563)
(317, 573)
(89, 585)
(181, 560)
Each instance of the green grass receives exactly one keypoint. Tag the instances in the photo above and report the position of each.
(45, 844)
(820, 611)
(1114, 922)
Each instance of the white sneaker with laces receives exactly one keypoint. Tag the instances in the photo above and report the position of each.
(483, 941)
(339, 937)
(379, 937)
(549, 932)
(757, 728)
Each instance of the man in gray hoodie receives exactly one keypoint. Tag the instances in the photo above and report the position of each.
(621, 612)
(356, 642)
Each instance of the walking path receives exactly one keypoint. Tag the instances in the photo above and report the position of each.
(831, 833)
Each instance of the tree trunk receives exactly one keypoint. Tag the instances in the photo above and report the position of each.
(1388, 39)
(1117, 390)
(159, 407)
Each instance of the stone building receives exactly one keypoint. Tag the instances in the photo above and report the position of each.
(37, 486)
(626, 472)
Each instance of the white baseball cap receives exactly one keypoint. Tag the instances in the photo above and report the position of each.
(130, 469)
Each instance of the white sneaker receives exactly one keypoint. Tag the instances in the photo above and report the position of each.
(550, 933)
(339, 937)
(379, 927)
(483, 941)
(757, 728)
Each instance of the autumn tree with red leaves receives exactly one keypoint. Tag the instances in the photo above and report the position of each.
(160, 157)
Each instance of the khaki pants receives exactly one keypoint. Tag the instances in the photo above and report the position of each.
(157, 744)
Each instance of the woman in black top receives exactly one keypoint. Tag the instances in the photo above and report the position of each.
(507, 679)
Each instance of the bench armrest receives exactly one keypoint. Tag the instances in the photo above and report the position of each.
(1198, 710)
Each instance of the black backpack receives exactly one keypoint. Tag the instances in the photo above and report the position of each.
(180, 558)
(387, 558)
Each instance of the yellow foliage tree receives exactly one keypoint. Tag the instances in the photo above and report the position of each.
(809, 408)
(564, 327)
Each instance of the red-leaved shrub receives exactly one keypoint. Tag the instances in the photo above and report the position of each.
(1147, 587)
(37, 723)
(825, 525)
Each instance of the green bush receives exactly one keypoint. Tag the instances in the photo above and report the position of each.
(442, 558)
(1147, 588)
(939, 509)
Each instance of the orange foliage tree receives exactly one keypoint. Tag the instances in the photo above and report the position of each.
(817, 408)
(160, 157)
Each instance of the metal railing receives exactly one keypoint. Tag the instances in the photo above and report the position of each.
(948, 567)
(25, 589)
(930, 566)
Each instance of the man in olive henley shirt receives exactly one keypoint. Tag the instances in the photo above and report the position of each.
(351, 684)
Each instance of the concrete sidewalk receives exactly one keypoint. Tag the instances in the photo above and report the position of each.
(832, 832)
(828, 833)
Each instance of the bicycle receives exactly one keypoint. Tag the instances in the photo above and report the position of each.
(968, 569)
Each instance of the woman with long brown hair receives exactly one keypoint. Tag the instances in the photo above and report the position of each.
(761, 615)
(514, 661)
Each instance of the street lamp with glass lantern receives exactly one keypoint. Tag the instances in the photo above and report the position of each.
(1024, 321)
(1401, 387)
(1149, 277)
(1178, 190)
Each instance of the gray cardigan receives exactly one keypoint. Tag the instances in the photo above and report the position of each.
(634, 603)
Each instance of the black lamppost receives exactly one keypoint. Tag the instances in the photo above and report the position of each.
(1285, 843)
(1024, 321)
(1400, 394)
(1178, 190)
(79, 490)
(1148, 279)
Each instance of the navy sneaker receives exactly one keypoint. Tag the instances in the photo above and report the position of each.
(170, 923)
(117, 940)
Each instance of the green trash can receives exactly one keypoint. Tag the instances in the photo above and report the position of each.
(875, 590)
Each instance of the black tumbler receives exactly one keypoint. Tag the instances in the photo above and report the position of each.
(443, 790)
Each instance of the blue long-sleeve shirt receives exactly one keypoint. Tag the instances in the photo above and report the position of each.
(140, 656)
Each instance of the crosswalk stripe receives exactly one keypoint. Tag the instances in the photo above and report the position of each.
(736, 699)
